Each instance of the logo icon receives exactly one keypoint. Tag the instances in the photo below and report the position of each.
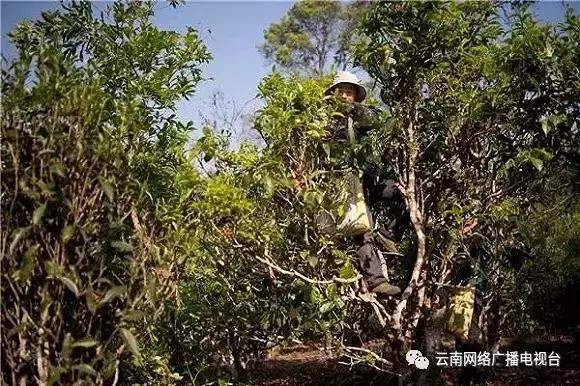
(415, 357)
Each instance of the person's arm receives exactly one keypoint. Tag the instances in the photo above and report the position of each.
(337, 130)
(365, 118)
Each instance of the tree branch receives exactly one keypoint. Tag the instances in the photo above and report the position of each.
(307, 279)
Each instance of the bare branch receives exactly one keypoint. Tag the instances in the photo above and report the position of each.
(377, 357)
(307, 279)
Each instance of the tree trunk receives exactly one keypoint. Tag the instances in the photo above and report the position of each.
(417, 281)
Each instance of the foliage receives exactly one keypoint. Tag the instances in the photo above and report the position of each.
(121, 244)
(89, 159)
(547, 284)
(310, 34)
(254, 222)
(124, 262)
(471, 101)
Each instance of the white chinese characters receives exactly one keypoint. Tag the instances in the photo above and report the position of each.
(487, 359)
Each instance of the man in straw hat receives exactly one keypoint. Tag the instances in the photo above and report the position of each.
(348, 87)
(364, 119)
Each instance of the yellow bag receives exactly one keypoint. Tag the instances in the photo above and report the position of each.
(460, 312)
(357, 216)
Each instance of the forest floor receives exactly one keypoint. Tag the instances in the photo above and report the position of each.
(309, 364)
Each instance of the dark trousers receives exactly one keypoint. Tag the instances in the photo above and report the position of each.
(367, 261)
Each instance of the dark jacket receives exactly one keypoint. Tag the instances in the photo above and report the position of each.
(364, 118)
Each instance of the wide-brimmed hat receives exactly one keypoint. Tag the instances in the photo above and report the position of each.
(347, 77)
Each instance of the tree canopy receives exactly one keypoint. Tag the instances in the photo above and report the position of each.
(312, 35)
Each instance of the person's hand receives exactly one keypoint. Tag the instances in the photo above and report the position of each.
(355, 109)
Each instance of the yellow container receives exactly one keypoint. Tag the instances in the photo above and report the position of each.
(460, 312)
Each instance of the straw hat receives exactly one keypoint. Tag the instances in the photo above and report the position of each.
(347, 77)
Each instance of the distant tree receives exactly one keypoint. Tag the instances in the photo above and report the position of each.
(311, 35)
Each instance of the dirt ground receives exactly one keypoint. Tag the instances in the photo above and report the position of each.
(311, 365)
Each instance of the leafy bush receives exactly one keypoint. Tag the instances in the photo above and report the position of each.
(89, 161)
(483, 116)
(261, 273)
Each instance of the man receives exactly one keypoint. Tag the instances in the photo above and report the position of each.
(349, 89)
(364, 119)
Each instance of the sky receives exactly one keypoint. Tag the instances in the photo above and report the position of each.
(230, 29)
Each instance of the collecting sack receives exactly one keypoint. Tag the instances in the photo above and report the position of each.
(460, 312)
(357, 218)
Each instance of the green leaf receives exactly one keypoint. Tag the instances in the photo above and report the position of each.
(550, 122)
(69, 284)
(326, 307)
(38, 213)
(84, 368)
(133, 315)
(331, 291)
(113, 293)
(107, 188)
(53, 268)
(326, 148)
(56, 167)
(538, 163)
(122, 246)
(340, 210)
(85, 343)
(46, 188)
(315, 296)
(268, 185)
(28, 264)
(347, 271)
(16, 236)
(67, 233)
(546, 126)
(131, 342)
(91, 300)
